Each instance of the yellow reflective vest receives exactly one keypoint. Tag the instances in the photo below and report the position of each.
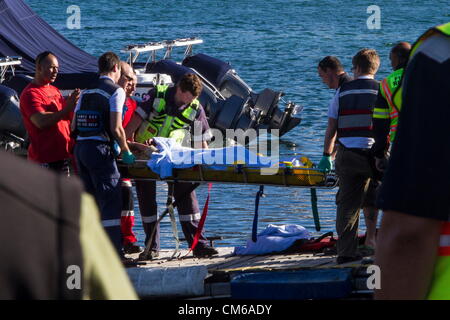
(387, 88)
(440, 286)
(160, 124)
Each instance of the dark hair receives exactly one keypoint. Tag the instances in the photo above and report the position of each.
(107, 62)
(41, 57)
(367, 60)
(401, 50)
(331, 62)
(192, 83)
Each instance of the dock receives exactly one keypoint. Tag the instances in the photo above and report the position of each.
(272, 276)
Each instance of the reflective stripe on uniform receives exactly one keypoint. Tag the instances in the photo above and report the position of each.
(355, 121)
(190, 217)
(99, 91)
(358, 91)
(381, 113)
(126, 183)
(127, 213)
(111, 223)
(436, 48)
(164, 130)
(149, 219)
(444, 241)
(387, 91)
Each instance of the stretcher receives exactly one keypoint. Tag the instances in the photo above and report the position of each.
(287, 175)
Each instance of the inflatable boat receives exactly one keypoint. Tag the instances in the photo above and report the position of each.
(228, 101)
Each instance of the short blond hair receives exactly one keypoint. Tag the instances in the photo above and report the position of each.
(367, 60)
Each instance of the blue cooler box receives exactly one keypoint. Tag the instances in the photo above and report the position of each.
(293, 285)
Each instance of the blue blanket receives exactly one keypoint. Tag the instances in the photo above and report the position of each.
(274, 239)
(171, 155)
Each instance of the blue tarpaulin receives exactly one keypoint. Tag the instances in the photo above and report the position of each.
(172, 155)
(23, 33)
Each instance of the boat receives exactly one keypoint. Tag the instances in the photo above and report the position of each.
(13, 135)
(229, 102)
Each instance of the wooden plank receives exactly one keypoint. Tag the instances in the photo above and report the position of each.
(234, 260)
(278, 262)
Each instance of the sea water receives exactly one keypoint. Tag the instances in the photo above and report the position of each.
(273, 44)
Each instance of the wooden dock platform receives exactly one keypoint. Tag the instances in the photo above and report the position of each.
(210, 278)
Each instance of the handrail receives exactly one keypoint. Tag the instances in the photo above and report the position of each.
(135, 49)
(8, 63)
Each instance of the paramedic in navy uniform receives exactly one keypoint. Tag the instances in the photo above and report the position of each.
(98, 126)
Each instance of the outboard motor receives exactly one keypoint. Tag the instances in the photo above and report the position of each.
(12, 130)
(242, 109)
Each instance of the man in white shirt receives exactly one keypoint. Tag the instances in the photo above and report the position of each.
(350, 123)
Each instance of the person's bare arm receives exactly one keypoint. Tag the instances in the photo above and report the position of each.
(118, 131)
(133, 126)
(330, 136)
(406, 254)
(43, 120)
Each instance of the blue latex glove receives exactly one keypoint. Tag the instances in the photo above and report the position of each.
(325, 164)
(128, 157)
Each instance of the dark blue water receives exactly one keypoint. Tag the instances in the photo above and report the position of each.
(275, 44)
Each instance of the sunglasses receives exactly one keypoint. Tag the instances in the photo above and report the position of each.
(128, 78)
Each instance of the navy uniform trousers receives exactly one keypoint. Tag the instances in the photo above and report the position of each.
(98, 171)
(187, 207)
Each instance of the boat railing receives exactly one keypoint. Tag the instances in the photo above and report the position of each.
(8, 63)
(209, 84)
(134, 50)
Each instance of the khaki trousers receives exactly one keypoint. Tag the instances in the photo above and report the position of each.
(354, 171)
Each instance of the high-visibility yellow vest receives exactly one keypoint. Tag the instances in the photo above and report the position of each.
(441, 29)
(160, 124)
(440, 286)
(387, 88)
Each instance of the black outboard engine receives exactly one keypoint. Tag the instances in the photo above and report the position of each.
(12, 130)
(242, 108)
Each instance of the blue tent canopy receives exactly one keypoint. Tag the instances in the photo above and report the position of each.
(23, 33)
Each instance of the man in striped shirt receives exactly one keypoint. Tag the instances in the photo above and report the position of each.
(350, 123)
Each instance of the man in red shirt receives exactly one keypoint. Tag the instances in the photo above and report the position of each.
(47, 116)
(128, 81)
